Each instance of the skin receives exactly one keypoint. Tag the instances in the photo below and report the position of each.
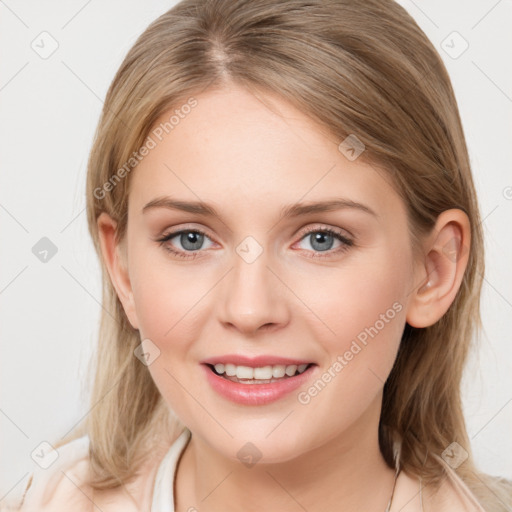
(294, 300)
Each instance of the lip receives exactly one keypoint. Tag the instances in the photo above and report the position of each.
(256, 394)
(254, 361)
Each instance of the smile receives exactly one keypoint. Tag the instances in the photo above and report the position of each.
(257, 386)
(259, 375)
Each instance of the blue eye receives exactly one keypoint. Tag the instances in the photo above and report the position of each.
(191, 240)
(323, 240)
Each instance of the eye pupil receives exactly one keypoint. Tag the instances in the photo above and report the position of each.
(191, 240)
(319, 238)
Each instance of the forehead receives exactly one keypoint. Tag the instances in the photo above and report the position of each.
(234, 150)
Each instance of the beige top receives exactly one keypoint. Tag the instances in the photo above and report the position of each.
(61, 488)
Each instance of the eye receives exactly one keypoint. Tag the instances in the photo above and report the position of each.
(324, 239)
(190, 240)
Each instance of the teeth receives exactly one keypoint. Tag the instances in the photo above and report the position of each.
(264, 373)
(261, 373)
(278, 371)
(230, 370)
(290, 370)
(244, 372)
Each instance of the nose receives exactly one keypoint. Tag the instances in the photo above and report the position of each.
(252, 297)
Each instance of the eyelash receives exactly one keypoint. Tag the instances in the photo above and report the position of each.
(317, 254)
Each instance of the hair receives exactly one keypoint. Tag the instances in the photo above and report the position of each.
(361, 68)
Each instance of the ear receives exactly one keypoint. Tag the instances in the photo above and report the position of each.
(115, 258)
(441, 270)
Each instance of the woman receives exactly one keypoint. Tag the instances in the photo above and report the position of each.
(282, 202)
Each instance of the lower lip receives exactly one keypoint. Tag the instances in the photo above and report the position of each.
(256, 394)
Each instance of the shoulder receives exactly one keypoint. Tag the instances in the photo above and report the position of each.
(63, 486)
(58, 469)
(492, 494)
(451, 495)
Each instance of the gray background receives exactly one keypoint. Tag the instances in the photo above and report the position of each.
(49, 108)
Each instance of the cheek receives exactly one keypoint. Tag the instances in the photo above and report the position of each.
(363, 305)
(168, 302)
(371, 300)
(165, 293)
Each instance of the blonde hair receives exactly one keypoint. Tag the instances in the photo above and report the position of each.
(362, 68)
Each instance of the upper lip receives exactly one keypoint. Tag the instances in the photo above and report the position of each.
(254, 361)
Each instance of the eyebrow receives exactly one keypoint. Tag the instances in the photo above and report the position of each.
(294, 210)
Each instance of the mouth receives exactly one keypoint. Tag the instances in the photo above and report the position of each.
(258, 375)
(257, 385)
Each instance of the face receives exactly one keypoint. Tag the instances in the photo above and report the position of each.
(326, 287)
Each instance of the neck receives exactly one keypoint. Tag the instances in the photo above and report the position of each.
(345, 473)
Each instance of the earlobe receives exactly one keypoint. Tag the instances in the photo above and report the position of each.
(442, 269)
(115, 261)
